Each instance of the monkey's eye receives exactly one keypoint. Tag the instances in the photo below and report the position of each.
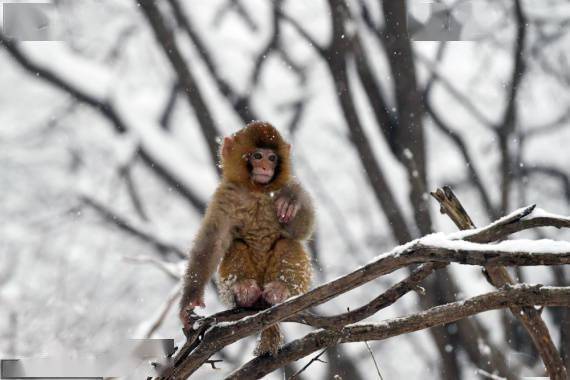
(257, 156)
(273, 158)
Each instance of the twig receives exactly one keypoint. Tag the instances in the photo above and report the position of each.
(238, 7)
(317, 358)
(133, 192)
(148, 329)
(459, 142)
(170, 106)
(135, 229)
(213, 362)
(374, 360)
(550, 171)
(323, 52)
(461, 98)
(168, 268)
(554, 125)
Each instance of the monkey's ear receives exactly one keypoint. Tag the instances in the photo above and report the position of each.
(227, 146)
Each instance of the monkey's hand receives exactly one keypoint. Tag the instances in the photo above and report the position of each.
(286, 207)
(186, 312)
(295, 211)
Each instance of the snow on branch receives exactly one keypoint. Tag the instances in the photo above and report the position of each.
(520, 295)
(498, 276)
(433, 251)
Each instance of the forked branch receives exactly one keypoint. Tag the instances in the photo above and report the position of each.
(433, 250)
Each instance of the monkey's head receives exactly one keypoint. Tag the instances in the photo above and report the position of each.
(257, 157)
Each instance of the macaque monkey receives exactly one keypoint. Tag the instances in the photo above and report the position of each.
(254, 229)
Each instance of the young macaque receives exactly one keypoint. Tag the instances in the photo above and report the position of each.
(254, 229)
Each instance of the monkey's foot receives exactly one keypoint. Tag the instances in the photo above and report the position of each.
(246, 292)
(275, 292)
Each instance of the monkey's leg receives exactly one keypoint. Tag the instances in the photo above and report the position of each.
(288, 264)
(240, 276)
(288, 273)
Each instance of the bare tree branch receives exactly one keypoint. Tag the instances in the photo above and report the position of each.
(519, 295)
(317, 358)
(557, 174)
(163, 170)
(499, 277)
(240, 103)
(239, 8)
(508, 124)
(170, 106)
(459, 142)
(167, 41)
(322, 51)
(171, 270)
(461, 98)
(429, 249)
(133, 228)
(409, 134)
(148, 329)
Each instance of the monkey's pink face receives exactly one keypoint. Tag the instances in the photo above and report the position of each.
(263, 163)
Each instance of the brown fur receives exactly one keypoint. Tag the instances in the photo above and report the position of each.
(256, 135)
(241, 228)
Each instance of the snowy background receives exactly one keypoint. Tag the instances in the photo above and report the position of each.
(95, 219)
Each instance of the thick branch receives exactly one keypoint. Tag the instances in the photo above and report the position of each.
(498, 277)
(519, 295)
(338, 67)
(409, 133)
(432, 248)
(520, 220)
(508, 124)
(338, 321)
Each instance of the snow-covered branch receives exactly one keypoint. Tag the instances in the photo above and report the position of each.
(519, 295)
(434, 248)
(498, 276)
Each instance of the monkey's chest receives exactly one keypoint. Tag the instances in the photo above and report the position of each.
(258, 226)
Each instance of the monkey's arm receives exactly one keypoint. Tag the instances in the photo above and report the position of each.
(211, 242)
(302, 223)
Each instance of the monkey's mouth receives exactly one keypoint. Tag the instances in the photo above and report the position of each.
(261, 178)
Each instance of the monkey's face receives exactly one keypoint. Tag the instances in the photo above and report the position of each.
(263, 164)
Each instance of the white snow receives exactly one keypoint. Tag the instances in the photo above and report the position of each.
(519, 245)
